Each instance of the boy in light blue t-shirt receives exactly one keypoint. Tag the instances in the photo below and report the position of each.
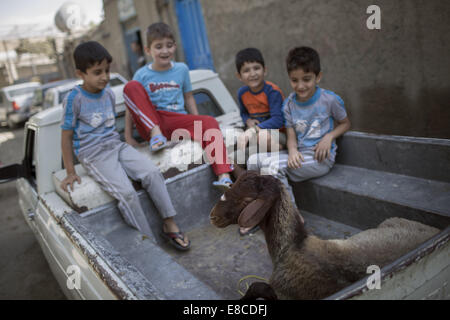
(166, 89)
(310, 113)
(160, 102)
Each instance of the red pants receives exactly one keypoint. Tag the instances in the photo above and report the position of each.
(146, 117)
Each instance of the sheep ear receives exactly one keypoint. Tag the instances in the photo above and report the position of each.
(253, 213)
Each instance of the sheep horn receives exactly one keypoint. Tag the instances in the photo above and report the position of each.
(253, 213)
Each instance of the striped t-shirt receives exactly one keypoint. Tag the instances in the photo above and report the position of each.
(313, 119)
(91, 116)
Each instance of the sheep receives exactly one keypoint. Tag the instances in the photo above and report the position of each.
(305, 266)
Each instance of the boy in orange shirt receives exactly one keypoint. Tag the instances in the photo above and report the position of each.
(260, 101)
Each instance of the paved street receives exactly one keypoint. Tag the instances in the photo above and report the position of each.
(24, 272)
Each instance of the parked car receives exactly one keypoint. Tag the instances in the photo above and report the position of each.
(55, 96)
(94, 254)
(37, 102)
(15, 103)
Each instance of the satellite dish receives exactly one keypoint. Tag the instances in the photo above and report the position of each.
(70, 17)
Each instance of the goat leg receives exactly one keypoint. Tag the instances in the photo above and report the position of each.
(260, 290)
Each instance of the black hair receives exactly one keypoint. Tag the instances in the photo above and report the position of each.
(248, 55)
(88, 54)
(157, 31)
(304, 58)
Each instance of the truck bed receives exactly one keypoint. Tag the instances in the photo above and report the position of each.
(218, 259)
(351, 198)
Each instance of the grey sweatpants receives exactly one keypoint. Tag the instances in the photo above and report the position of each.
(275, 164)
(111, 163)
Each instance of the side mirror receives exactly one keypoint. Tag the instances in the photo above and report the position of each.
(11, 172)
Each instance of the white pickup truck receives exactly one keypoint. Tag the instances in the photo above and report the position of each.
(95, 255)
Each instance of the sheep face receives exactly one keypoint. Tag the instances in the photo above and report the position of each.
(247, 202)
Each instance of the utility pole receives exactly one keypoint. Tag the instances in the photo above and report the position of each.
(57, 56)
(10, 68)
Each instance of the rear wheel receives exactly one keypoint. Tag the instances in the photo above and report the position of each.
(11, 124)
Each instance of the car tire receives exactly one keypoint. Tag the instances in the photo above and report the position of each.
(11, 124)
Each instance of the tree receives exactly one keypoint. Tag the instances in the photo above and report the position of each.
(38, 47)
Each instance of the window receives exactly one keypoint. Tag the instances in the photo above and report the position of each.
(48, 100)
(120, 123)
(206, 104)
(21, 92)
(120, 127)
(38, 96)
(115, 82)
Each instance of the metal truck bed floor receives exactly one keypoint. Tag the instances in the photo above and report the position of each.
(218, 258)
(221, 257)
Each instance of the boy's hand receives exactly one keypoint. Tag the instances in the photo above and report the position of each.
(295, 159)
(251, 122)
(244, 138)
(322, 149)
(70, 179)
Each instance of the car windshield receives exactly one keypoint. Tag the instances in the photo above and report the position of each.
(115, 82)
(20, 92)
(38, 97)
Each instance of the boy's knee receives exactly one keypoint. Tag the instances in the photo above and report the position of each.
(153, 170)
(129, 194)
(253, 162)
(310, 172)
(264, 139)
(209, 122)
(133, 85)
(151, 173)
(272, 166)
(263, 134)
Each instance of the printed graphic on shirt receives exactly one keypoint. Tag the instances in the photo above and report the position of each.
(110, 120)
(314, 130)
(155, 86)
(301, 126)
(96, 119)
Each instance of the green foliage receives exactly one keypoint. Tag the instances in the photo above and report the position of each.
(39, 47)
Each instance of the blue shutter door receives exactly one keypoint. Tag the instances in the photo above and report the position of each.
(193, 34)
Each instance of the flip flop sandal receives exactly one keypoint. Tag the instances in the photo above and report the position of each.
(249, 232)
(172, 236)
(223, 184)
(157, 139)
